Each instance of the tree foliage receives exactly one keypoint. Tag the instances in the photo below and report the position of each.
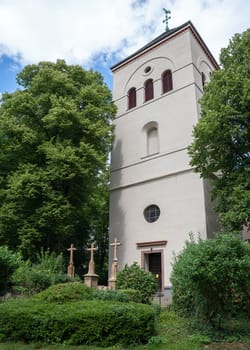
(221, 147)
(49, 269)
(9, 262)
(54, 141)
(98, 213)
(212, 278)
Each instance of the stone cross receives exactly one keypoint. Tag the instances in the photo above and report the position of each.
(71, 249)
(91, 250)
(91, 278)
(71, 268)
(114, 266)
(91, 262)
(115, 245)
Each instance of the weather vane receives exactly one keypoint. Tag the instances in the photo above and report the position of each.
(167, 17)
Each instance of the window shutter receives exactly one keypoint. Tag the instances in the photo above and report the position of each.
(149, 90)
(167, 81)
(132, 98)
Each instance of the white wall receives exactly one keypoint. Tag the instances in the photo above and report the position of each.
(166, 178)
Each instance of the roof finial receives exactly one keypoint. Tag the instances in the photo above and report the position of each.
(167, 17)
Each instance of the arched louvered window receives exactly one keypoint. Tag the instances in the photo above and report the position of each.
(149, 89)
(167, 81)
(203, 79)
(152, 141)
(132, 98)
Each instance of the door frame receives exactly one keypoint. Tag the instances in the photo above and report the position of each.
(153, 251)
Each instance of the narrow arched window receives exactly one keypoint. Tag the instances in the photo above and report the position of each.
(149, 89)
(203, 79)
(132, 98)
(167, 81)
(152, 141)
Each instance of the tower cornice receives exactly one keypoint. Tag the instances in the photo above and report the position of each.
(161, 39)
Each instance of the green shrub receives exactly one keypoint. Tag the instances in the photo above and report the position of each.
(212, 278)
(65, 292)
(133, 277)
(110, 294)
(33, 278)
(86, 322)
(9, 262)
(27, 279)
(133, 295)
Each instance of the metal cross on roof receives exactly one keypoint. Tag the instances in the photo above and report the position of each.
(167, 17)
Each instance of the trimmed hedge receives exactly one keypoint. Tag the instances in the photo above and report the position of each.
(65, 292)
(132, 294)
(100, 323)
(110, 294)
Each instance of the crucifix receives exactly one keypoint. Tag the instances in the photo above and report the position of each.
(115, 266)
(167, 17)
(91, 262)
(91, 278)
(115, 245)
(71, 249)
(91, 250)
(71, 268)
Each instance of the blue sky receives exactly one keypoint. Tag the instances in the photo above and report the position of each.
(98, 33)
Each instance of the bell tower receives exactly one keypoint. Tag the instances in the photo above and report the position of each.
(156, 198)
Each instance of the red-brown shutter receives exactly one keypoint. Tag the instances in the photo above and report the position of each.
(132, 98)
(149, 90)
(167, 82)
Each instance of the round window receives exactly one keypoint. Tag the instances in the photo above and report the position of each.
(151, 213)
(147, 69)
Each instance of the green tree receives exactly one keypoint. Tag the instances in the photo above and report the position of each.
(99, 228)
(221, 147)
(55, 137)
(212, 278)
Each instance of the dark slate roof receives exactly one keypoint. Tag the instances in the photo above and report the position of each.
(160, 38)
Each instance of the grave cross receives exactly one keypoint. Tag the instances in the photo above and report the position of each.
(92, 249)
(115, 245)
(71, 249)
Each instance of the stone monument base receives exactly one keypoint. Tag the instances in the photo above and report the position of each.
(91, 280)
(111, 283)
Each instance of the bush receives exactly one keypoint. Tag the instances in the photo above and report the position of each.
(133, 277)
(28, 279)
(212, 278)
(86, 322)
(65, 292)
(133, 295)
(9, 262)
(33, 278)
(110, 294)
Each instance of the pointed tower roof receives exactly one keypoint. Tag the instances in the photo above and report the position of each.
(163, 38)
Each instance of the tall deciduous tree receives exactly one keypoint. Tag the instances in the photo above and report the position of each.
(221, 147)
(55, 135)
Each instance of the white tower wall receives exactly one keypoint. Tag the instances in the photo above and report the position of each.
(165, 178)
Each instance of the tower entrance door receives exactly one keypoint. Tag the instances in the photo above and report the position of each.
(153, 263)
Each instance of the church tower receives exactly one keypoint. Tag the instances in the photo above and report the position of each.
(156, 198)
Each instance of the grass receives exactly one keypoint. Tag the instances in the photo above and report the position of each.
(174, 333)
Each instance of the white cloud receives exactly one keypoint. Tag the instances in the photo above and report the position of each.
(77, 30)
